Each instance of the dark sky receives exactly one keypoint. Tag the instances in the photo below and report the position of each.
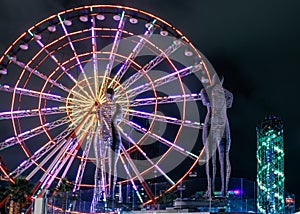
(254, 44)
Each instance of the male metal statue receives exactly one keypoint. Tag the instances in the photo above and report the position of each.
(222, 143)
(107, 146)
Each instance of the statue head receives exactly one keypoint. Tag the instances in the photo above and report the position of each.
(110, 94)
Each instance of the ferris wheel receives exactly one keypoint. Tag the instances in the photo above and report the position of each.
(55, 75)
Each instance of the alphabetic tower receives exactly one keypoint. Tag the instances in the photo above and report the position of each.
(270, 166)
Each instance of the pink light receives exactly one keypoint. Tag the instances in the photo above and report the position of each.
(237, 192)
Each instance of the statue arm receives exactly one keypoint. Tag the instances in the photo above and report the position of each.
(229, 98)
(118, 113)
(204, 97)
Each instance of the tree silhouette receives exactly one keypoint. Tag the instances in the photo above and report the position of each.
(62, 191)
(19, 194)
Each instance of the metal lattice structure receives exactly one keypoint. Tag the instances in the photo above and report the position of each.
(270, 166)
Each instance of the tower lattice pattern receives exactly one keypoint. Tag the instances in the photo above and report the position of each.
(270, 166)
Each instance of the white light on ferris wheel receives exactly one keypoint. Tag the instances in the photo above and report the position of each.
(164, 33)
(37, 36)
(188, 52)
(116, 17)
(133, 20)
(24, 46)
(148, 25)
(3, 71)
(84, 18)
(51, 28)
(67, 22)
(100, 17)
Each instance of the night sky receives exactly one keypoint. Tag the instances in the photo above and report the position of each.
(253, 44)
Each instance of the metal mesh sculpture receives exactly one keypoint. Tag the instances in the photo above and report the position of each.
(223, 143)
(109, 114)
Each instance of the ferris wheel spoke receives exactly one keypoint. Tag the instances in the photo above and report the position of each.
(32, 93)
(131, 179)
(44, 48)
(136, 50)
(165, 119)
(71, 155)
(68, 154)
(61, 139)
(77, 114)
(113, 52)
(81, 103)
(38, 74)
(75, 54)
(161, 140)
(150, 65)
(164, 80)
(32, 112)
(155, 165)
(32, 133)
(163, 100)
(52, 146)
(83, 161)
(137, 173)
(95, 57)
(58, 164)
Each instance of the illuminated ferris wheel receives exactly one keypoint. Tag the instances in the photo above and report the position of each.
(55, 75)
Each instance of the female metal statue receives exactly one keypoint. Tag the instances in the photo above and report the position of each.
(223, 143)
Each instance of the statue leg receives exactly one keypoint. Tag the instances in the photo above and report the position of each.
(228, 172)
(227, 143)
(115, 158)
(114, 153)
(214, 170)
(110, 171)
(228, 165)
(224, 148)
(207, 170)
(222, 175)
(207, 158)
(99, 176)
(103, 155)
(228, 169)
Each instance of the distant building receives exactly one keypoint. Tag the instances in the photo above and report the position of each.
(270, 166)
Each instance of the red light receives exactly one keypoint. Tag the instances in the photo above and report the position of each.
(289, 200)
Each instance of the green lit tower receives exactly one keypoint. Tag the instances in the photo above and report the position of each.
(270, 166)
